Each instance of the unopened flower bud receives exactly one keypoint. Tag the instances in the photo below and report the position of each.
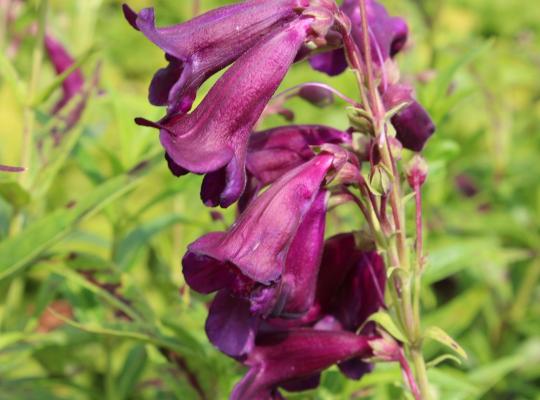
(317, 95)
(417, 171)
(360, 121)
(380, 182)
(396, 147)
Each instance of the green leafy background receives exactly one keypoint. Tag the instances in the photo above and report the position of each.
(94, 244)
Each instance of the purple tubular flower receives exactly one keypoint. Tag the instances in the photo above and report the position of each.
(213, 139)
(351, 282)
(351, 288)
(268, 260)
(283, 358)
(233, 320)
(388, 36)
(62, 60)
(199, 48)
(256, 246)
(413, 124)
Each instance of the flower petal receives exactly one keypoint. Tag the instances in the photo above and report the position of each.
(198, 48)
(413, 126)
(258, 243)
(215, 135)
(281, 357)
(62, 60)
(299, 281)
(230, 325)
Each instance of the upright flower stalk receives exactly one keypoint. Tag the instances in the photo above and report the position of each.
(289, 301)
(405, 286)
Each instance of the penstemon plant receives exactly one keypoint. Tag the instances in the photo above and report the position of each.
(290, 303)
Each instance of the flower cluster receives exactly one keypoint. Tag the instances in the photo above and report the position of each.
(288, 303)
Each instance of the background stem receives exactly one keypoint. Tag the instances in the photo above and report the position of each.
(29, 117)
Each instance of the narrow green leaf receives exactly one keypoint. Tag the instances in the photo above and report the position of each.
(11, 76)
(57, 82)
(129, 247)
(18, 251)
(97, 290)
(128, 331)
(385, 320)
(131, 372)
(58, 157)
(14, 193)
(433, 363)
(436, 333)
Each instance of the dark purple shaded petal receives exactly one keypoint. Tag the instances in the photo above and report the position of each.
(338, 259)
(355, 368)
(299, 385)
(273, 152)
(331, 63)
(258, 243)
(215, 135)
(253, 186)
(413, 126)
(176, 169)
(363, 291)
(62, 60)
(388, 34)
(198, 48)
(412, 123)
(230, 325)
(351, 282)
(299, 281)
(281, 357)
(206, 274)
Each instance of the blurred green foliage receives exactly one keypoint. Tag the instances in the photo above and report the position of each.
(90, 252)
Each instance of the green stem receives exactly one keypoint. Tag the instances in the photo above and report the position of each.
(420, 371)
(4, 22)
(29, 116)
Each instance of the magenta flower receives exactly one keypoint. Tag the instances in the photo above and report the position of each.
(213, 139)
(199, 48)
(62, 60)
(290, 359)
(350, 287)
(388, 35)
(268, 260)
(413, 124)
(274, 152)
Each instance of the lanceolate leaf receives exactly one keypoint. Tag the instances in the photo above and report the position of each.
(18, 251)
(444, 338)
(385, 320)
